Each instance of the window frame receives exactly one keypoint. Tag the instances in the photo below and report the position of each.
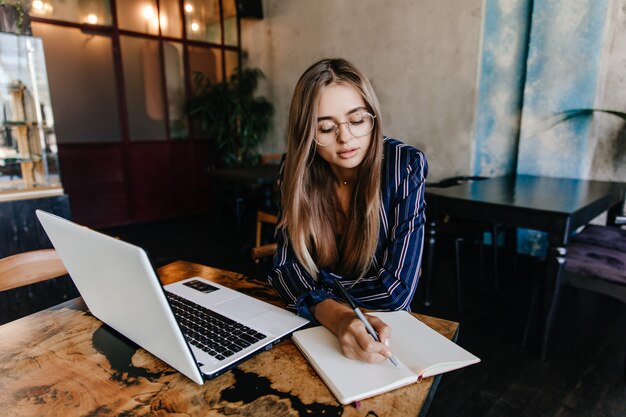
(115, 33)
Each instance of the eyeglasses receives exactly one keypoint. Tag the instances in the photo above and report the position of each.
(359, 124)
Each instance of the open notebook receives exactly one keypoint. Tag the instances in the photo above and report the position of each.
(420, 350)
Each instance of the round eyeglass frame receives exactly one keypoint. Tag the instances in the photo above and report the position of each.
(347, 123)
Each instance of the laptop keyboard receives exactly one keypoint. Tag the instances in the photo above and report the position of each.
(209, 331)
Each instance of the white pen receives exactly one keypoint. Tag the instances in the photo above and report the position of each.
(363, 319)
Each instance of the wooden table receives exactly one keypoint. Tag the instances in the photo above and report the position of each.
(557, 206)
(63, 361)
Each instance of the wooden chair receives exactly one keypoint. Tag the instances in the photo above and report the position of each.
(18, 297)
(266, 215)
(29, 268)
(271, 158)
(262, 250)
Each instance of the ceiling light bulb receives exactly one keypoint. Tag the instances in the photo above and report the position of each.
(195, 26)
(188, 7)
(38, 5)
(92, 19)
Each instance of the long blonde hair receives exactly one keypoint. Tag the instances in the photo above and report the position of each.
(308, 197)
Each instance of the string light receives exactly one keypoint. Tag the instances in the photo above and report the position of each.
(189, 8)
(92, 19)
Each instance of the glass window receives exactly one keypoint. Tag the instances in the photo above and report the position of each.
(82, 84)
(82, 66)
(206, 61)
(143, 83)
(175, 82)
(171, 23)
(231, 58)
(138, 16)
(28, 151)
(202, 20)
(76, 11)
(230, 23)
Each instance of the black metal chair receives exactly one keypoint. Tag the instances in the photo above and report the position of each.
(460, 232)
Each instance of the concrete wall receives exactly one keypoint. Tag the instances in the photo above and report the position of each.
(421, 56)
(608, 135)
(576, 60)
(506, 30)
(566, 43)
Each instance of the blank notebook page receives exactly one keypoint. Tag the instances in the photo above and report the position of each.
(422, 349)
(349, 379)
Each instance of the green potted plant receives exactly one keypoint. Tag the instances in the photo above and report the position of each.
(14, 17)
(233, 118)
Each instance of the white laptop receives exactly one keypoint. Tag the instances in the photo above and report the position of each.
(198, 327)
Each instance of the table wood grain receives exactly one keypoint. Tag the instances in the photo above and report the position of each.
(63, 361)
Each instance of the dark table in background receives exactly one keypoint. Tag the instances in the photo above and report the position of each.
(238, 186)
(260, 174)
(557, 206)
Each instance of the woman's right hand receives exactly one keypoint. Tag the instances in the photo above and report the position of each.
(355, 342)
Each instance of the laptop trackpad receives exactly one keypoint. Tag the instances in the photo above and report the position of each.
(241, 309)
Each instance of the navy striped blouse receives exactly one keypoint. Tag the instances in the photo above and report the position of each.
(391, 281)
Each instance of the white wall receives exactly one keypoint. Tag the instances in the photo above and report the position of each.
(421, 57)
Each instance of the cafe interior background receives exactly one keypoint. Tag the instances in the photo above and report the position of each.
(95, 124)
(477, 85)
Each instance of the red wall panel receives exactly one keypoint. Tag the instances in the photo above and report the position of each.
(93, 177)
(151, 181)
(158, 180)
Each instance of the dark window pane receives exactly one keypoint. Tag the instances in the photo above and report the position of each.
(175, 81)
(232, 62)
(144, 95)
(202, 20)
(82, 84)
(138, 15)
(171, 22)
(206, 61)
(230, 23)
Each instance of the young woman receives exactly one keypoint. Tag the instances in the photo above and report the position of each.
(352, 209)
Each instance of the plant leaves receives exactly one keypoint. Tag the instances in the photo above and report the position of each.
(232, 118)
(583, 112)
